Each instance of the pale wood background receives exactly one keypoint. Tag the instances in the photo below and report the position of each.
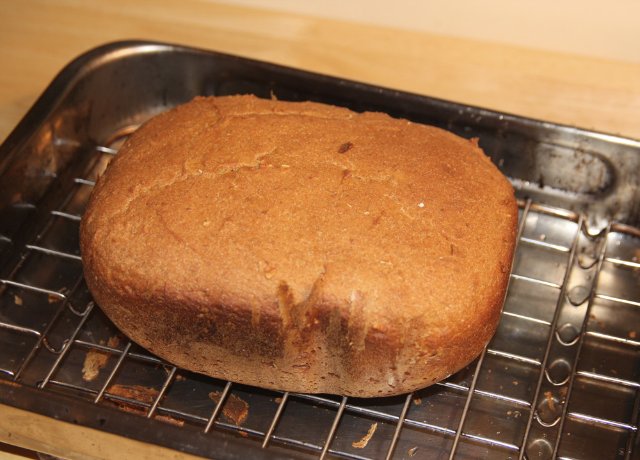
(591, 88)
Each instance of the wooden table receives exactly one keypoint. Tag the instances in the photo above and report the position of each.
(37, 38)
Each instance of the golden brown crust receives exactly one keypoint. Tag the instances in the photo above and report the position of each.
(301, 246)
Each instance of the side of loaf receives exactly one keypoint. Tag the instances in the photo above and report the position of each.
(301, 246)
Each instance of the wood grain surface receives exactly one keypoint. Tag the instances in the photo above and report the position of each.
(66, 440)
(37, 38)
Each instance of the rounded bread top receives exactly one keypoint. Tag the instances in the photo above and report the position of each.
(236, 200)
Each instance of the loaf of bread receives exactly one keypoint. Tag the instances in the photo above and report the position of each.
(301, 246)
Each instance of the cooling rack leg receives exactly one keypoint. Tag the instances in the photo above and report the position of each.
(163, 390)
(632, 437)
(218, 407)
(276, 417)
(552, 329)
(67, 346)
(334, 427)
(476, 372)
(585, 321)
(396, 434)
(123, 355)
(42, 340)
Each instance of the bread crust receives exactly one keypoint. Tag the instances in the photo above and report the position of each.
(301, 246)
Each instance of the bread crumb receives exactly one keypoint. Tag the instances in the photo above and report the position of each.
(142, 394)
(11, 383)
(417, 401)
(180, 378)
(277, 400)
(113, 341)
(235, 409)
(95, 360)
(17, 299)
(366, 438)
(137, 392)
(633, 334)
(244, 434)
(52, 298)
(169, 419)
(550, 401)
(412, 451)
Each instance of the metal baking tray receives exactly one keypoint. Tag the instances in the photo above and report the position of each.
(560, 379)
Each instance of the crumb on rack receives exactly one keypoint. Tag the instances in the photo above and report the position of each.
(137, 392)
(95, 360)
(168, 419)
(366, 438)
(142, 394)
(235, 409)
(551, 403)
(53, 298)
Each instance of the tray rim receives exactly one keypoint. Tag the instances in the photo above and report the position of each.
(57, 405)
(52, 404)
(73, 71)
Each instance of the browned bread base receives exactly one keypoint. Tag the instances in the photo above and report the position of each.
(300, 246)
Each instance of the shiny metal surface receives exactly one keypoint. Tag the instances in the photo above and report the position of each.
(561, 377)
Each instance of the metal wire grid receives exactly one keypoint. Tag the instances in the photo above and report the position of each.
(548, 411)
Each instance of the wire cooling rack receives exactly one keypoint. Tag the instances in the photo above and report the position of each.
(560, 379)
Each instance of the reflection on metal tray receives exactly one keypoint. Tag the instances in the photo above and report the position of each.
(561, 377)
